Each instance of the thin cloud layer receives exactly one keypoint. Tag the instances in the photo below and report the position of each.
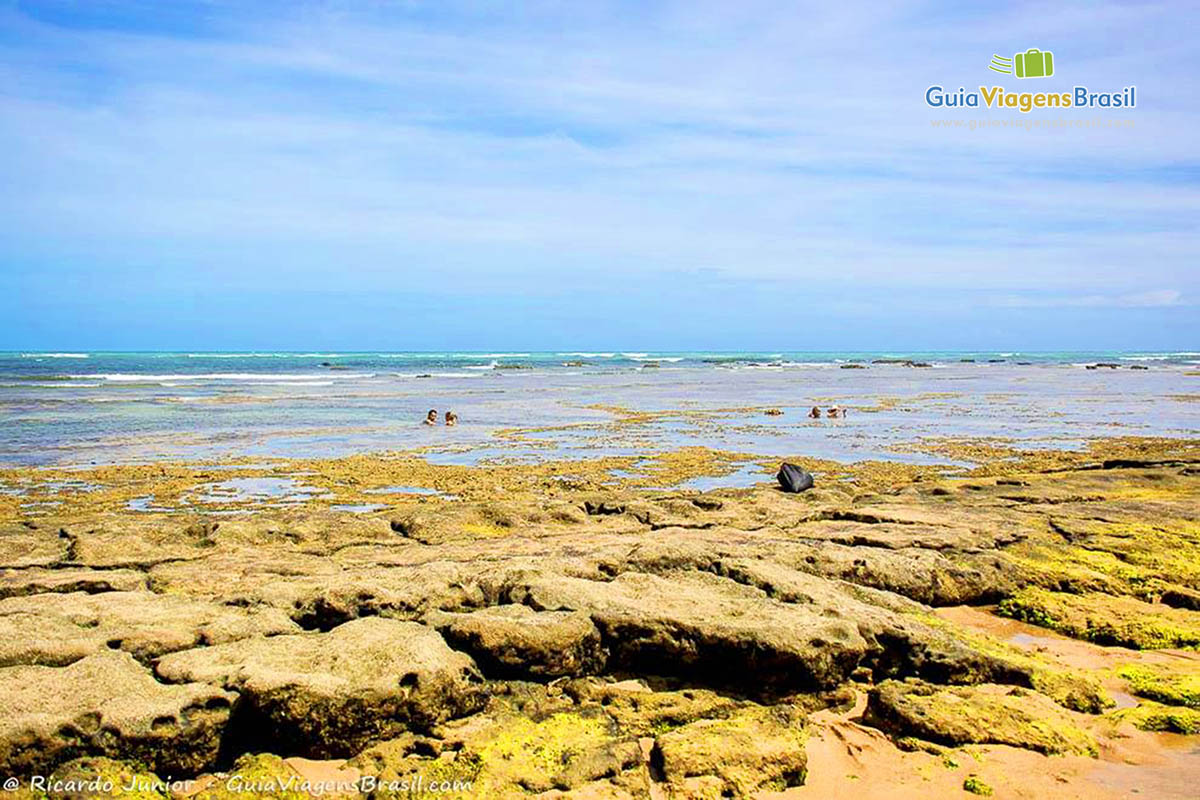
(453, 158)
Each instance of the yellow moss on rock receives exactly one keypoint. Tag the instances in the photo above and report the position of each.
(1105, 619)
(984, 714)
(1069, 688)
(755, 749)
(1170, 687)
(1151, 716)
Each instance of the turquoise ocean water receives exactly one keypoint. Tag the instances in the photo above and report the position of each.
(97, 407)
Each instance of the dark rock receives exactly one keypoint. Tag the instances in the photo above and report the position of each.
(794, 479)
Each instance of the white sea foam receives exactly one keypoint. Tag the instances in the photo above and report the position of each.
(646, 357)
(589, 355)
(263, 355)
(54, 355)
(56, 385)
(130, 377)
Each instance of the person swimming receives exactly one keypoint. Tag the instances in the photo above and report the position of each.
(451, 418)
(431, 417)
(834, 412)
(815, 413)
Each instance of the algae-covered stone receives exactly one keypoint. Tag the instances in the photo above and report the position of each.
(976, 785)
(56, 629)
(329, 694)
(37, 580)
(1174, 687)
(25, 546)
(986, 714)
(707, 628)
(927, 576)
(107, 704)
(1105, 619)
(640, 711)
(507, 755)
(516, 641)
(1151, 716)
(754, 749)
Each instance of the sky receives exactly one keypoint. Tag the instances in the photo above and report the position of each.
(590, 175)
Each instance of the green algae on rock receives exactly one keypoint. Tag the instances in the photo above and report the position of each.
(752, 750)
(1151, 716)
(1105, 619)
(1174, 687)
(985, 714)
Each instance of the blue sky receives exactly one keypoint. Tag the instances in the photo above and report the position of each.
(692, 175)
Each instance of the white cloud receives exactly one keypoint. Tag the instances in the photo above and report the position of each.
(766, 141)
(1157, 298)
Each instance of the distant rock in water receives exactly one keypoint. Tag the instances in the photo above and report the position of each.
(853, 366)
(794, 479)
(902, 362)
(773, 412)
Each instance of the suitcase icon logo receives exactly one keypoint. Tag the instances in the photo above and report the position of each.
(1033, 63)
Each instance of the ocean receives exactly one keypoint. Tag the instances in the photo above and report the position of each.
(97, 407)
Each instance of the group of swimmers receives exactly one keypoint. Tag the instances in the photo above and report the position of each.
(432, 418)
(833, 413)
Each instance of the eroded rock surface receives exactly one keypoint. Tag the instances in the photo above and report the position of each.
(516, 641)
(329, 694)
(576, 640)
(753, 750)
(987, 714)
(107, 705)
(56, 628)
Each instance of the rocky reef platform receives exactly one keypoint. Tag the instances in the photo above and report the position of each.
(382, 626)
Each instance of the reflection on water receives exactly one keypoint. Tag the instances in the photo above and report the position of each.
(748, 475)
(405, 490)
(244, 490)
